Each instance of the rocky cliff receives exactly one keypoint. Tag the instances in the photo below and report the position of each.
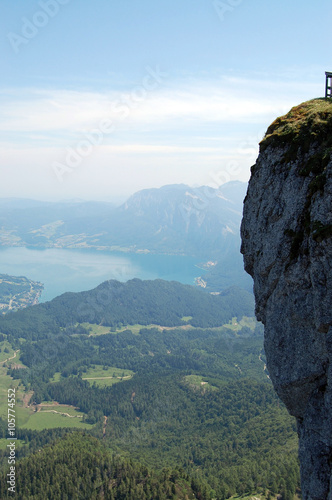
(286, 242)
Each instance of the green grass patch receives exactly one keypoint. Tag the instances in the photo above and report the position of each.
(60, 409)
(135, 329)
(199, 383)
(6, 382)
(103, 330)
(101, 377)
(27, 418)
(308, 118)
(4, 442)
(56, 377)
(96, 329)
(236, 326)
(105, 382)
(6, 351)
(233, 325)
(22, 415)
(49, 416)
(248, 322)
(45, 420)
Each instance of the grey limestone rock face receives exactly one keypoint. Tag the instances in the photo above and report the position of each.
(286, 242)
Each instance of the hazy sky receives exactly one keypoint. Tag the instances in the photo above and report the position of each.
(101, 98)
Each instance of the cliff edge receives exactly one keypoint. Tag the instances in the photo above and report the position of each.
(286, 242)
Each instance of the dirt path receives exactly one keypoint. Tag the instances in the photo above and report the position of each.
(180, 327)
(41, 406)
(62, 413)
(104, 426)
(55, 403)
(237, 366)
(8, 359)
(26, 398)
(14, 355)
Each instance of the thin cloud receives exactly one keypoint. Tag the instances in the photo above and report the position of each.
(51, 112)
(177, 133)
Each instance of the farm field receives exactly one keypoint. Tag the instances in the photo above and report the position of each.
(235, 325)
(102, 330)
(197, 382)
(101, 377)
(54, 415)
(26, 416)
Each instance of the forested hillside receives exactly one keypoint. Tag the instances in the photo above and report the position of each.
(116, 304)
(78, 466)
(174, 396)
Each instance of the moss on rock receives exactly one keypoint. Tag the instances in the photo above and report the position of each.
(301, 126)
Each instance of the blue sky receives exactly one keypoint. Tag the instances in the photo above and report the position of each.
(99, 99)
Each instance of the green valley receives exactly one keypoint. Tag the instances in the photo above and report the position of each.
(162, 374)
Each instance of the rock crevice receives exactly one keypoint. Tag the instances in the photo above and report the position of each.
(286, 242)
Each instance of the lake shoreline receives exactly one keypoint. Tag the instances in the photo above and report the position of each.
(75, 270)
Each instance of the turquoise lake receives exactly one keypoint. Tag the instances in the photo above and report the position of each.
(77, 270)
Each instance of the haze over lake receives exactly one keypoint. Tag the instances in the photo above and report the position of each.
(77, 270)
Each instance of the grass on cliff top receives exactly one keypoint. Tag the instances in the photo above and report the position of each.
(312, 117)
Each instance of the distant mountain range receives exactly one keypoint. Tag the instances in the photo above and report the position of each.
(202, 222)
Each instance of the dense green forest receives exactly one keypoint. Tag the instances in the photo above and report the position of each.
(199, 401)
(115, 304)
(80, 467)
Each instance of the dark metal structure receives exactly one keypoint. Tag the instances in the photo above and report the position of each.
(328, 85)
